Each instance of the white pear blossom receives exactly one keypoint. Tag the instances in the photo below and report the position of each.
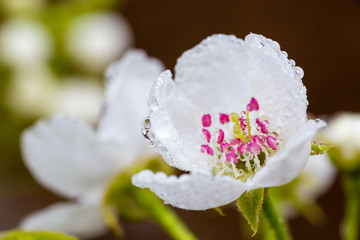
(344, 134)
(72, 159)
(316, 178)
(235, 118)
(78, 97)
(300, 195)
(31, 91)
(24, 42)
(94, 40)
(36, 91)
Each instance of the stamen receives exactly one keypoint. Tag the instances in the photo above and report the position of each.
(271, 141)
(206, 120)
(242, 148)
(231, 157)
(224, 118)
(262, 126)
(253, 105)
(252, 146)
(206, 149)
(224, 147)
(235, 142)
(243, 123)
(221, 136)
(256, 139)
(257, 162)
(207, 134)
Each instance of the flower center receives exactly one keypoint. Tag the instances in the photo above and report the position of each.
(242, 145)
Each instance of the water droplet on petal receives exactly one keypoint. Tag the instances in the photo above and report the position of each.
(146, 125)
(291, 62)
(299, 72)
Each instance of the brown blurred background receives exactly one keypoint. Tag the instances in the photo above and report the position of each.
(321, 36)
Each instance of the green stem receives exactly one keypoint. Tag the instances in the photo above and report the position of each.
(276, 223)
(164, 216)
(352, 193)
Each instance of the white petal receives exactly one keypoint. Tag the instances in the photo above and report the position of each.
(175, 125)
(222, 73)
(196, 191)
(317, 177)
(66, 156)
(85, 221)
(287, 164)
(213, 74)
(127, 88)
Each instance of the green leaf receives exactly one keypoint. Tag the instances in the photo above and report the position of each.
(319, 148)
(19, 235)
(249, 204)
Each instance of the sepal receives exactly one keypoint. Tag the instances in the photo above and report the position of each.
(249, 204)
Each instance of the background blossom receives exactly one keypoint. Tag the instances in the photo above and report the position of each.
(75, 161)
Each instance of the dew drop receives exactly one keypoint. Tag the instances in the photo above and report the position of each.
(163, 148)
(292, 63)
(146, 124)
(299, 72)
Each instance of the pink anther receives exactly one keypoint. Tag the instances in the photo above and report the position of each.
(231, 157)
(253, 105)
(272, 142)
(221, 136)
(235, 142)
(253, 148)
(207, 134)
(206, 149)
(206, 120)
(224, 118)
(241, 148)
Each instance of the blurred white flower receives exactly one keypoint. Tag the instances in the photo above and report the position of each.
(78, 97)
(24, 42)
(75, 161)
(96, 39)
(343, 134)
(35, 92)
(31, 91)
(300, 195)
(267, 145)
(316, 178)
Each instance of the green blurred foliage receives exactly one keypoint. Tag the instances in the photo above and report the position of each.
(56, 17)
(18, 235)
